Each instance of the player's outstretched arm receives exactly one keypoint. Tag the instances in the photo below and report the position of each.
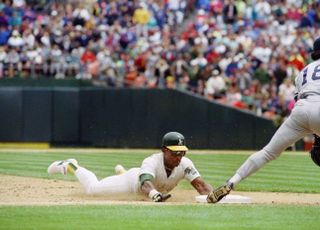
(201, 186)
(149, 190)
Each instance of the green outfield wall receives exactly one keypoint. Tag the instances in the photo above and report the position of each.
(133, 118)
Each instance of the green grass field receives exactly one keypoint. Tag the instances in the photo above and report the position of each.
(160, 217)
(292, 172)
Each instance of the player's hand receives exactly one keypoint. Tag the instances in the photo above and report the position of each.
(217, 194)
(159, 197)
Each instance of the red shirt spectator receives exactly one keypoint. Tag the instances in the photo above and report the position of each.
(294, 13)
(88, 56)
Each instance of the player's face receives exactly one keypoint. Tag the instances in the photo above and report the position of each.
(173, 158)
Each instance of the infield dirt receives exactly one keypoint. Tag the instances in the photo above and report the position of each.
(16, 190)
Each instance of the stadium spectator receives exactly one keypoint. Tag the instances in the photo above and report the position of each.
(4, 35)
(3, 20)
(229, 12)
(286, 91)
(216, 85)
(15, 39)
(141, 17)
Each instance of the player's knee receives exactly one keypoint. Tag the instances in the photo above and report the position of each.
(270, 155)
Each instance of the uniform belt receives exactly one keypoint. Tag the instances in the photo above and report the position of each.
(305, 96)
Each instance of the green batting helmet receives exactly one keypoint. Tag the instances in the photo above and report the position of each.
(174, 141)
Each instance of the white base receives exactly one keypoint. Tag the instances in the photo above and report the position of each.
(229, 199)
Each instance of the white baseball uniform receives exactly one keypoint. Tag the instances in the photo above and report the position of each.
(128, 182)
(303, 120)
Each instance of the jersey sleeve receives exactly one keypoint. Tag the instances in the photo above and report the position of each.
(148, 166)
(190, 171)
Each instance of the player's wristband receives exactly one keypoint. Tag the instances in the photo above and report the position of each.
(152, 193)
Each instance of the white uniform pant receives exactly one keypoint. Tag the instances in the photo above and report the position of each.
(127, 182)
(304, 120)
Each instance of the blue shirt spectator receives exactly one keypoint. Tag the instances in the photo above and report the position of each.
(4, 35)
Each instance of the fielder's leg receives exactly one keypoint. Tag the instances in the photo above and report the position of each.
(288, 133)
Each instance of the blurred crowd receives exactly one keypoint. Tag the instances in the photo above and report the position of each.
(243, 53)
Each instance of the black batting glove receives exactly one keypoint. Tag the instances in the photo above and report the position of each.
(159, 197)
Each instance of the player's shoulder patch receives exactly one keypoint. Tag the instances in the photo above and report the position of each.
(190, 171)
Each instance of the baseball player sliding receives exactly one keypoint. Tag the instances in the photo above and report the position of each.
(303, 120)
(157, 176)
